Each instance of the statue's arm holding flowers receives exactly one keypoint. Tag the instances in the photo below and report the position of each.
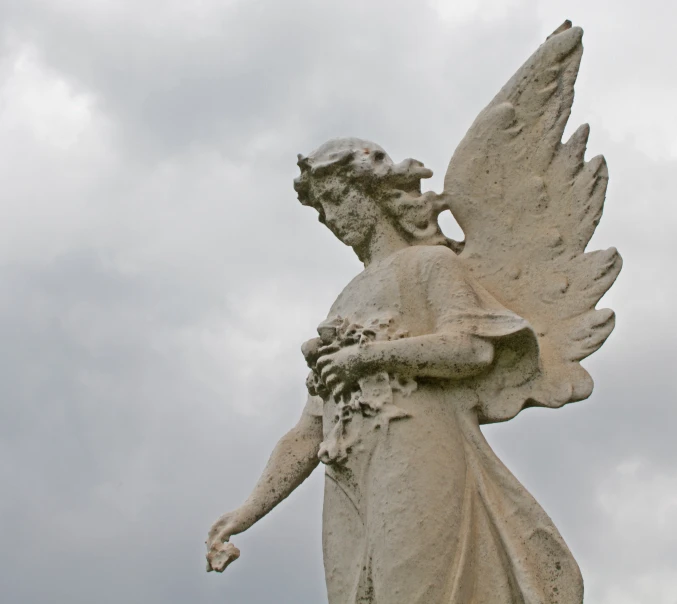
(440, 355)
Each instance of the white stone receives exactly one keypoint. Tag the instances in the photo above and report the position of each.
(435, 338)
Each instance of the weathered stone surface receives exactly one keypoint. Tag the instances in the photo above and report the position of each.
(436, 337)
(222, 554)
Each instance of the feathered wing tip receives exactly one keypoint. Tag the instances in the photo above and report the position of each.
(526, 119)
(529, 204)
(566, 25)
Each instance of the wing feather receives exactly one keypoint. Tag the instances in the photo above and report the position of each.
(529, 204)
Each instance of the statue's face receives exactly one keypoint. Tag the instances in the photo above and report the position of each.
(348, 212)
(351, 213)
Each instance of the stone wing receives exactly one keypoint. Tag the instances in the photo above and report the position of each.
(528, 205)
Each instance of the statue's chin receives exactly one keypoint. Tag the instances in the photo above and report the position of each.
(353, 240)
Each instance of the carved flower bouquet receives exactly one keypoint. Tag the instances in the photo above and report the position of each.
(371, 396)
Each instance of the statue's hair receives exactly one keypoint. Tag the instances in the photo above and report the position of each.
(350, 163)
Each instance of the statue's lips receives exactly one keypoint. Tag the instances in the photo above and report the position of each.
(413, 190)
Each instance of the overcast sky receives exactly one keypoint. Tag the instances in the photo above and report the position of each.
(158, 277)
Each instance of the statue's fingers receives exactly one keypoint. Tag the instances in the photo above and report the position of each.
(324, 360)
(217, 539)
(328, 349)
(216, 527)
(211, 535)
(327, 367)
(338, 390)
(329, 375)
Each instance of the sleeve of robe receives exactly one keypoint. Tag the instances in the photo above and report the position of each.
(457, 302)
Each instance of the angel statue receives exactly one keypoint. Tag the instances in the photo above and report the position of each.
(436, 337)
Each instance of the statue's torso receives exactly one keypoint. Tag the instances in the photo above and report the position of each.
(407, 453)
(389, 290)
(417, 489)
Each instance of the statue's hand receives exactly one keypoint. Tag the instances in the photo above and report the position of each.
(340, 368)
(220, 556)
(220, 553)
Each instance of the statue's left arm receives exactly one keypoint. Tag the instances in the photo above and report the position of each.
(439, 355)
(463, 321)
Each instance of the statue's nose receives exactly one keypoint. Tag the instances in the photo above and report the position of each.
(406, 164)
(411, 165)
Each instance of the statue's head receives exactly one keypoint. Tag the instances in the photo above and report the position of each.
(353, 184)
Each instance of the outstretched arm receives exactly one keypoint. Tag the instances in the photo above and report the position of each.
(291, 462)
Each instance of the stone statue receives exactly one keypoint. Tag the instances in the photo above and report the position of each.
(435, 338)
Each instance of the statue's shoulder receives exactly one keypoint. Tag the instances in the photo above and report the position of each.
(426, 253)
(425, 260)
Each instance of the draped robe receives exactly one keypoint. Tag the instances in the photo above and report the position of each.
(420, 510)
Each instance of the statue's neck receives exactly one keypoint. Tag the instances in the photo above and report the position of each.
(386, 239)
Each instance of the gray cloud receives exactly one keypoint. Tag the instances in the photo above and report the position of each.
(159, 276)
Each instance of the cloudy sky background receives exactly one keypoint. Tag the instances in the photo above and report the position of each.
(158, 276)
